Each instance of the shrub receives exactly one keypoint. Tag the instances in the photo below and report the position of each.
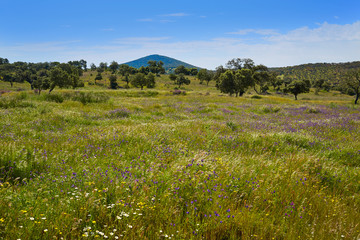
(86, 97)
(256, 97)
(58, 98)
(119, 113)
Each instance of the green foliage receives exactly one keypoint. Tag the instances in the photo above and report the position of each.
(139, 80)
(113, 82)
(181, 80)
(57, 97)
(214, 167)
(150, 80)
(297, 87)
(351, 82)
(86, 97)
(205, 75)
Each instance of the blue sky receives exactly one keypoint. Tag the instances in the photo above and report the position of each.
(204, 33)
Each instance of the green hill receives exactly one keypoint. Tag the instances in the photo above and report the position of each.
(331, 72)
(169, 63)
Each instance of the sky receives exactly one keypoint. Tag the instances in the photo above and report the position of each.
(203, 33)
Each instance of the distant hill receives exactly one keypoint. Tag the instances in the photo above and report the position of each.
(169, 63)
(331, 72)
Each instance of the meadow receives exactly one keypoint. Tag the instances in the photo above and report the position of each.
(130, 164)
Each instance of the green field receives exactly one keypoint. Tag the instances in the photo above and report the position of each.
(130, 164)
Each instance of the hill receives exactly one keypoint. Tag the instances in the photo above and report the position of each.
(169, 63)
(331, 72)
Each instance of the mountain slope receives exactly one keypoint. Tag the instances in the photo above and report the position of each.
(332, 72)
(169, 63)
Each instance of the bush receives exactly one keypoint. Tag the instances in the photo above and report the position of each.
(119, 113)
(58, 98)
(86, 97)
(270, 109)
(256, 97)
(178, 92)
(312, 110)
(13, 103)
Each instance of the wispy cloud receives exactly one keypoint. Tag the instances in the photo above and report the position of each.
(145, 20)
(324, 32)
(181, 14)
(323, 43)
(256, 31)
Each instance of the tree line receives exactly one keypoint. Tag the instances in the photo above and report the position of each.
(238, 76)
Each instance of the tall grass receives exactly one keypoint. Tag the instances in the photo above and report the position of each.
(179, 167)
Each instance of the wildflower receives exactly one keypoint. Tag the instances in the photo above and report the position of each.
(32, 219)
(93, 221)
(45, 230)
(2, 220)
(130, 226)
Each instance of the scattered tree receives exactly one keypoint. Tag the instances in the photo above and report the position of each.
(181, 79)
(156, 67)
(297, 87)
(113, 82)
(58, 78)
(98, 77)
(205, 75)
(114, 66)
(352, 82)
(139, 80)
(150, 80)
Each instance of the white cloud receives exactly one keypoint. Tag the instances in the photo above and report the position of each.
(325, 32)
(145, 20)
(181, 14)
(256, 31)
(324, 43)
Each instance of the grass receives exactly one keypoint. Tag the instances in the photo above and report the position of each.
(149, 164)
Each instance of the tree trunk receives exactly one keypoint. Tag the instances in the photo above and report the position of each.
(256, 90)
(357, 98)
(295, 96)
(11, 83)
(141, 87)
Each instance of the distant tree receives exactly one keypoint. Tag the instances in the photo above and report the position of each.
(218, 71)
(83, 64)
(205, 75)
(93, 67)
(297, 87)
(156, 67)
(172, 77)
(8, 73)
(58, 78)
(144, 70)
(351, 81)
(41, 80)
(98, 77)
(239, 63)
(114, 66)
(25, 76)
(193, 71)
(113, 82)
(226, 83)
(139, 80)
(235, 82)
(181, 79)
(102, 67)
(181, 69)
(125, 71)
(243, 80)
(4, 61)
(150, 80)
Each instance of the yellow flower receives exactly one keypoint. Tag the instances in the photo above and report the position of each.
(2, 220)
(93, 221)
